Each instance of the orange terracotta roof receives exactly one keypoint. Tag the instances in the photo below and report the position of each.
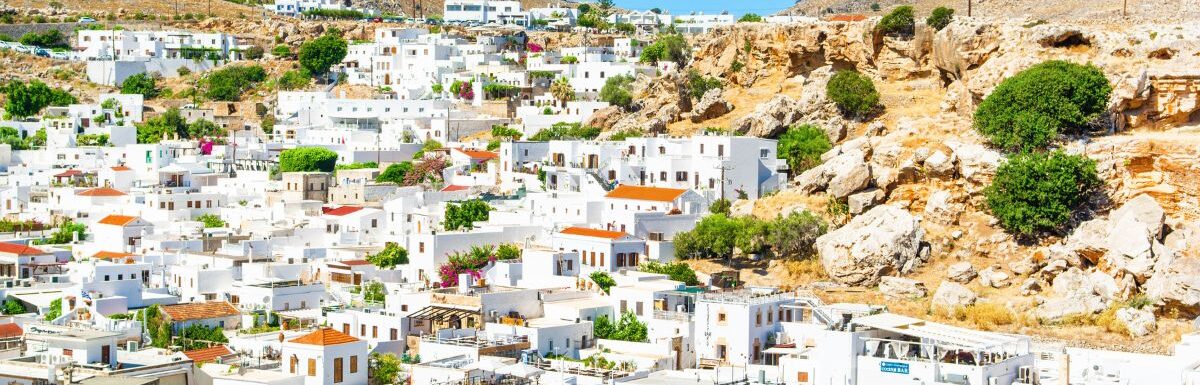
(68, 173)
(11, 330)
(101, 192)
(208, 354)
(118, 220)
(645, 193)
(111, 255)
(344, 210)
(476, 154)
(454, 187)
(121, 168)
(589, 232)
(199, 310)
(13, 248)
(324, 337)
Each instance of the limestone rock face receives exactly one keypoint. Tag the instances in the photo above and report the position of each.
(886, 239)
(776, 115)
(897, 287)
(1140, 322)
(950, 296)
(710, 106)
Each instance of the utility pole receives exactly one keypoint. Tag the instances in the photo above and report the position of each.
(968, 8)
(723, 168)
(1125, 8)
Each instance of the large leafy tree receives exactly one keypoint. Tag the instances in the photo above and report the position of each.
(391, 256)
(142, 83)
(627, 328)
(1036, 192)
(229, 83)
(802, 147)
(385, 368)
(616, 91)
(395, 173)
(308, 159)
(204, 128)
(318, 55)
(28, 99)
(464, 215)
(1029, 110)
(164, 126)
(899, 22)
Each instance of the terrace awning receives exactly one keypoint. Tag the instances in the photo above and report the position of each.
(938, 333)
(441, 313)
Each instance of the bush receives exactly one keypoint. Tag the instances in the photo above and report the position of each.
(720, 206)
(802, 147)
(669, 47)
(391, 256)
(11, 306)
(227, 84)
(563, 131)
(319, 54)
(985, 315)
(211, 221)
(940, 18)
(50, 39)
(395, 173)
(898, 22)
(628, 328)
(508, 251)
(795, 235)
(603, 280)
(750, 18)
(67, 232)
(677, 271)
(854, 93)
(1030, 109)
(28, 99)
(294, 80)
(142, 83)
(616, 91)
(253, 53)
(282, 51)
(1038, 191)
(349, 14)
(464, 215)
(698, 84)
(307, 159)
(569, 60)
(356, 166)
(164, 126)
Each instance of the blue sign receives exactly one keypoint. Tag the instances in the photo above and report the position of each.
(893, 367)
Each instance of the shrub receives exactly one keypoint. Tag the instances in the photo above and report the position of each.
(720, 206)
(142, 83)
(985, 315)
(211, 221)
(802, 147)
(282, 51)
(349, 14)
(395, 173)
(698, 84)
(1038, 191)
(562, 131)
(464, 215)
(669, 47)
(940, 18)
(1027, 111)
(750, 18)
(164, 126)
(569, 60)
(253, 53)
(307, 159)
(628, 328)
(854, 93)
(794, 236)
(603, 280)
(356, 166)
(204, 128)
(49, 39)
(28, 99)
(67, 232)
(294, 80)
(677, 271)
(899, 21)
(508, 251)
(319, 54)
(228, 84)
(11, 306)
(616, 91)
(391, 256)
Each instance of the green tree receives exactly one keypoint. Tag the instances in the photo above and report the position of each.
(11, 306)
(227, 84)
(12, 137)
(698, 84)
(670, 47)
(464, 215)
(603, 280)
(899, 21)
(677, 271)
(391, 256)
(1029, 110)
(395, 173)
(940, 18)
(282, 51)
(28, 99)
(627, 328)
(429, 145)
(165, 125)
(142, 83)
(211, 220)
(508, 251)
(197, 336)
(50, 39)
(374, 291)
(67, 232)
(253, 53)
(750, 18)
(294, 80)
(385, 368)
(802, 147)
(1035, 192)
(53, 313)
(569, 60)
(720, 206)
(307, 159)
(563, 131)
(852, 92)
(616, 91)
(204, 128)
(562, 90)
(794, 236)
(319, 54)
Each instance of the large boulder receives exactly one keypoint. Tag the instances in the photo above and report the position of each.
(841, 175)
(884, 240)
(961, 272)
(995, 277)
(940, 208)
(774, 116)
(1128, 241)
(1177, 286)
(1139, 322)
(711, 105)
(904, 288)
(950, 296)
(1076, 295)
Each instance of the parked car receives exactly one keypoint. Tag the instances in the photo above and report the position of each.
(41, 52)
(60, 55)
(85, 20)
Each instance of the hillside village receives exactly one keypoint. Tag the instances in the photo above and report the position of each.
(319, 192)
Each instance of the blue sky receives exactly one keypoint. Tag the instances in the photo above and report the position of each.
(678, 7)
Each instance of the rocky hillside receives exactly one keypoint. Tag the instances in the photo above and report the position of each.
(912, 176)
(1076, 11)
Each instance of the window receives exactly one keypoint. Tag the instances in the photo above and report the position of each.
(374, 332)
(292, 364)
(394, 334)
(362, 330)
(638, 307)
(421, 247)
(720, 150)
(346, 328)
(354, 363)
(681, 176)
(337, 370)
(721, 317)
(312, 367)
(106, 277)
(763, 153)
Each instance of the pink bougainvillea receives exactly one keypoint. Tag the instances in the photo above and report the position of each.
(533, 47)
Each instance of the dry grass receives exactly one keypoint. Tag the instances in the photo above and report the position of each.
(985, 315)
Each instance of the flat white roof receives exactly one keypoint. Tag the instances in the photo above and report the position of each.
(942, 333)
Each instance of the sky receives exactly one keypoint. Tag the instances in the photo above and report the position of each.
(683, 7)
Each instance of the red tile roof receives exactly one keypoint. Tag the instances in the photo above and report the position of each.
(324, 337)
(111, 255)
(121, 168)
(101, 192)
(476, 154)
(118, 220)
(645, 193)
(340, 211)
(208, 354)
(11, 330)
(13, 248)
(597, 233)
(454, 187)
(200, 310)
(68, 173)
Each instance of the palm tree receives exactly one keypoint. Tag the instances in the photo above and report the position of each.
(562, 90)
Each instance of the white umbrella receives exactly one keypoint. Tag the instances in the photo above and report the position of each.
(484, 365)
(520, 370)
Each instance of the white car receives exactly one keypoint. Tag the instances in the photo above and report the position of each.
(85, 20)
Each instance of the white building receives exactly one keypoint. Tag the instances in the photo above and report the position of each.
(326, 357)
